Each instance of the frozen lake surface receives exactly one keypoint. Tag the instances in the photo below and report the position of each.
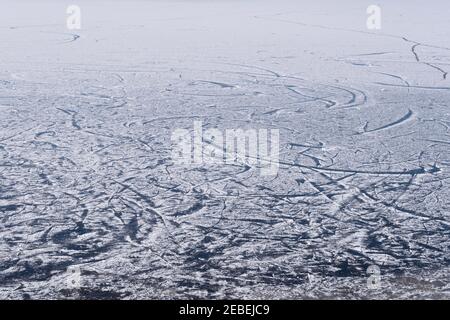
(86, 175)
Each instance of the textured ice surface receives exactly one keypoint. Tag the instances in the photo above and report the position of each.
(87, 179)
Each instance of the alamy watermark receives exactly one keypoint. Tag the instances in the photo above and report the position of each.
(373, 21)
(374, 18)
(73, 280)
(374, 279)
(73, 21)
(254, 147)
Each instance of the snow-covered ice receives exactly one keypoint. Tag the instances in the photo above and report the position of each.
(86, 175)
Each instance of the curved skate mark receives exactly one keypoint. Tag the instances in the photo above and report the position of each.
(413, 48)
(211, 95)
(118, 106)
(220, 84)
(49, 133)
(73, 115)
(371, 54)
(397, 122)
(378, 34)
(193, 209)
(328, 103)
(409, 211)
(150, 207)
(395, 77)
(417, 171)
(272, 112)
(17, 134)
(174, 118)
(353, 96)
(436, 141)
(119, 77)
(359, 64)
(444, 73)
(416, 56)
(74, 36)
(412, 87)
(69, 112)
(293, 144)
(277, 75)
